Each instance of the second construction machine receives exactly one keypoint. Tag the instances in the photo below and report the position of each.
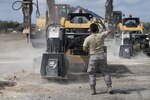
(131, 37)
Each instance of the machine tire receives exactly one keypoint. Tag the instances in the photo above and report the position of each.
(34, 45)
(121, 51)
(148, 54)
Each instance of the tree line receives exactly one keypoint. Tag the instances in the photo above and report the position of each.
(5, 26)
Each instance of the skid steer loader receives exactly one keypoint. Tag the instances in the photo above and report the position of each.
(64, 52)
(131, 37)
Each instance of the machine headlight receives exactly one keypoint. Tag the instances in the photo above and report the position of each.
(39, 29)
(147, 38)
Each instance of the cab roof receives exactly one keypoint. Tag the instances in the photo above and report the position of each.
(87, 15)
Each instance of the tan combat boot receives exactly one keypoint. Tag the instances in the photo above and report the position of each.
(109, 87)
(93, 90)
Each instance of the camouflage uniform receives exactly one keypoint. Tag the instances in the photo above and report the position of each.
(97, 59)
(98, 62)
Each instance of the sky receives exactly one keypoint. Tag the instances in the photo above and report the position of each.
(138, 8)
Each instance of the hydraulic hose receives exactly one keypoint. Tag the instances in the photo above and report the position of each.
(21, 6)
(13, 5)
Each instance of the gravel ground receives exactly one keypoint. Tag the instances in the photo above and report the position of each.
(131, 78)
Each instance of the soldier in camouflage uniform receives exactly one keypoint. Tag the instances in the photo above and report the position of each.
(94, 45)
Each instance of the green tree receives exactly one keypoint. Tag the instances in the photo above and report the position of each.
(5, 25)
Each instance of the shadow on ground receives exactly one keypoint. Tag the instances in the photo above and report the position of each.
(115, 71)
(119, 70)
(71, 79)
(123, 91)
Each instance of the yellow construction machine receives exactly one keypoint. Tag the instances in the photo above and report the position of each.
(64, 46)
(131, 36)
(41, 24)
(131, 24)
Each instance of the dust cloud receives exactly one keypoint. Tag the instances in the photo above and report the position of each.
(16, 54)
(113, 54)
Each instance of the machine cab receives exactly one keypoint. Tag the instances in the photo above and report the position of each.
(131, 22)
(79, 17)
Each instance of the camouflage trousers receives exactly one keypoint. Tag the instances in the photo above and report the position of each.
(98, 62)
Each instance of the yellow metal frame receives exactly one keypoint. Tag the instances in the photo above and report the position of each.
(41, 23)
(68, 24)
(76, 58)
(125, 28)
